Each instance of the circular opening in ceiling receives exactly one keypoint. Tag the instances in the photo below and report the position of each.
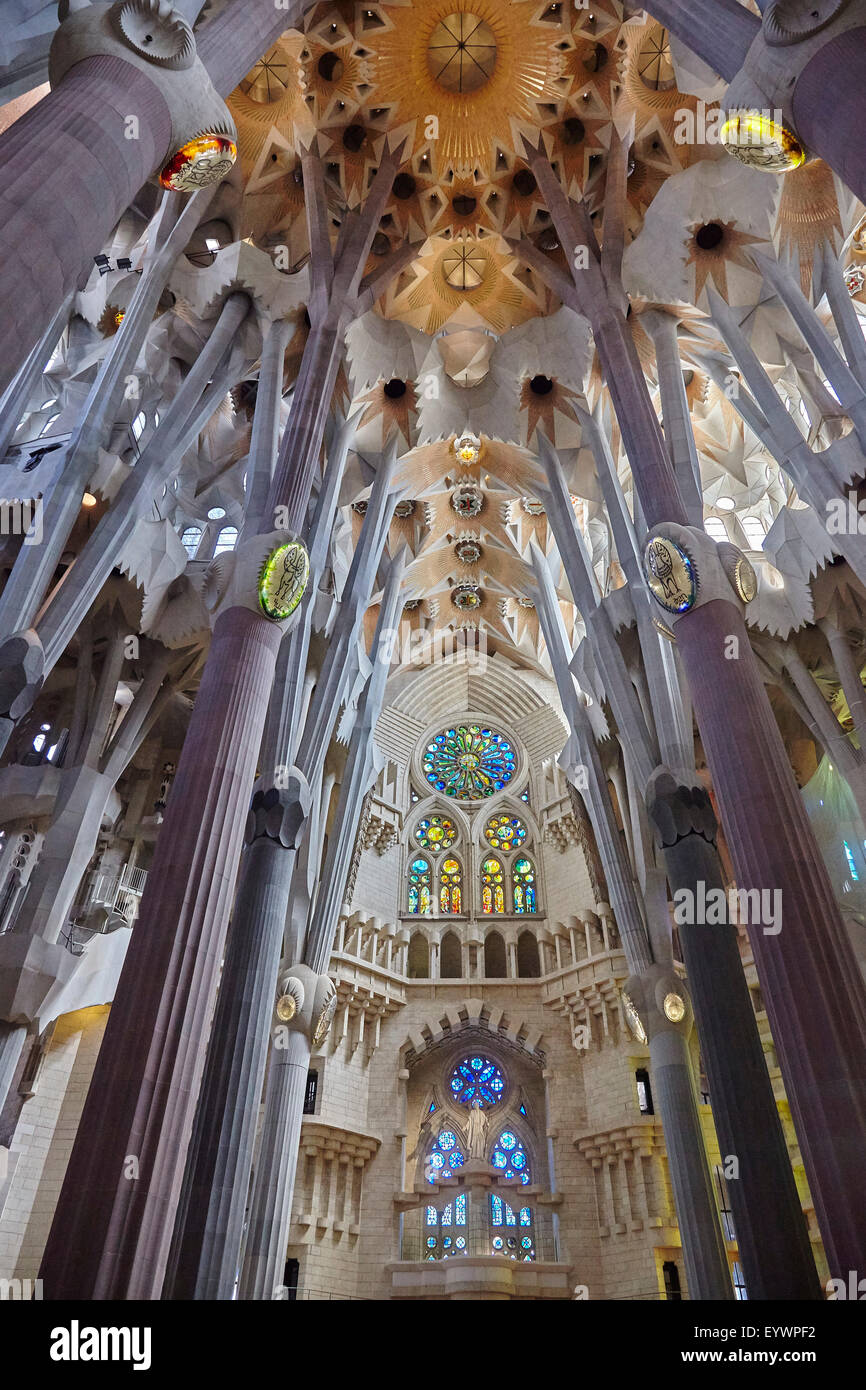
(541, 385)
(461, 54)
(463, 267)
(353, 138)
(330, 67)
(403, 186)
(573, 131)
(381, 245)
(463, 205)
(395, 388)
(655, 66)
(524, 182)
(548, 240)
(269, 79)
(709, 236)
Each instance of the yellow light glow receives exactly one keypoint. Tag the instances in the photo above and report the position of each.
(88, 500)
(760, 142)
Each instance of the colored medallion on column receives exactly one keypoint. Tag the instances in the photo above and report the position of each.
(200, 162)
(283, 582)
(671, 575)
(755, 139)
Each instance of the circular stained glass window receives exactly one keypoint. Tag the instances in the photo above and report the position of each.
(477, 1078)
(435, 833)
(469, 763)
(509, 1156)
(505, 832)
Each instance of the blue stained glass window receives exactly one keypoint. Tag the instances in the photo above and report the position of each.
(477, 1078)
(420, 877)
(509, 1156)
(444, 1157)
(447, 1215)
(432, 1216)
(461, 1210)
(469, 763)
(851, 865)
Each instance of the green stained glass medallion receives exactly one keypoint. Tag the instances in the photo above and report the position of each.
(469, 762)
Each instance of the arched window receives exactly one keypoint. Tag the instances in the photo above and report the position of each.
(226, 540)
(419, 886)
(492, 886)
(509, 1155)
(450, 957)
(189, 539)
(527, 956)
(419, 957)
(523, 884)
(513, 1232)
(450, 880)
(476, 1078)
(445, 1157)
(505, 832)
(495, 967)
(138, 425)
(445, 1229)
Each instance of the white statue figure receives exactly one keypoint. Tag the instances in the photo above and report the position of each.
(477, 1131)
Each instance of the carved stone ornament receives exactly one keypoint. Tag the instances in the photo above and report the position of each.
(156, 31)
(791, 21)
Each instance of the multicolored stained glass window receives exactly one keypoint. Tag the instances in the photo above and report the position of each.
(509, 1156)
(505, 832)
(444, 1157)
(492, 886)
(523, 884)
(419, 886)
(469, 762)
(477, 1078)
(450, 890)
(435, 833)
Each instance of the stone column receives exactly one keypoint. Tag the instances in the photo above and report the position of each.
(67, 173)
(815, 996)
(113, 1223)
(808, 974)
(73, 163)
(771, 1230)
(210, 1220)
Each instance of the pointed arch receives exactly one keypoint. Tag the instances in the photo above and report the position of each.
(420, 886)
(418, 961)
(492, 886)
(523, 885)
(450, 886)
(451, 957)
(495, 964)
(528, 965)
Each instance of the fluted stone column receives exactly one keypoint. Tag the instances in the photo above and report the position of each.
(814, 992)
(209, 1228)
(809, 978)
(703, 1250)
(67, 173)
(140, 1105)
(273, 1185)
(278, 1155)
(771, 1230)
